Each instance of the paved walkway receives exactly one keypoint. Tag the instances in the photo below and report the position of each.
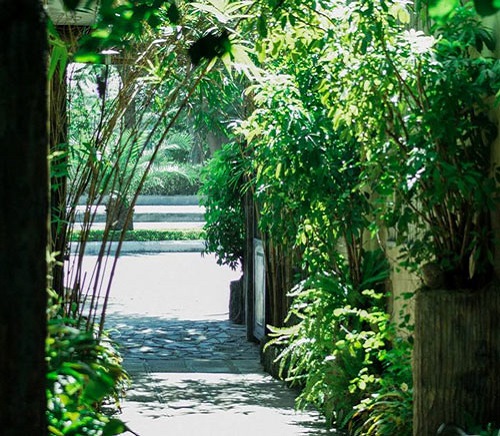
(193, 372)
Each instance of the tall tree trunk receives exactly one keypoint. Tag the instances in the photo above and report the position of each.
(23, 217)
(456, 358)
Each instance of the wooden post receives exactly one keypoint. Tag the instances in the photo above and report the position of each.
(24, 192)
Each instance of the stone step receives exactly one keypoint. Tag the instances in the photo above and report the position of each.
(158, 200)
(151, 213)
(145, 225)
(93, 248)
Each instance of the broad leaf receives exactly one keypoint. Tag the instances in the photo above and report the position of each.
(486, 7)
(442, 9)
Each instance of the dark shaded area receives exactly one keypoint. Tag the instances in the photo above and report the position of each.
(209, 46)
(24, 217)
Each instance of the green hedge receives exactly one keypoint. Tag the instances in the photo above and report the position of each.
(181, 180)
(144, 235)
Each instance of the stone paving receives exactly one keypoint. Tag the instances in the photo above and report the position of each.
(193, 372)
(175, 340)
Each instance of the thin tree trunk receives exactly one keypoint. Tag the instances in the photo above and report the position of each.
(23, 217)
(58, 142)
(456, 358)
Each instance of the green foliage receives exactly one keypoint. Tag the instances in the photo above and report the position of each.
(59, 55)
(175, 149)
(83, 373)
(444, 10)
(172, 179)
(178, 148)
(314, 197)
(421, 119)
(360, 124)
(307, 178)
(389, 410)
(120, 24)
(222, 195)
(171, 174)
(339, 340)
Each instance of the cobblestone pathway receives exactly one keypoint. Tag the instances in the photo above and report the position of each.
(183, 345)
(193, 372)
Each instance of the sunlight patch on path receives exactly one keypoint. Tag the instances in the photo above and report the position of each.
(206, 404)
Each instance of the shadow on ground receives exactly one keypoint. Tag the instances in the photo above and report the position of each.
(239, 398)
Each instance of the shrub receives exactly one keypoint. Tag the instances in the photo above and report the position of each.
(178, 148)
(388, 410)
(142, 235)
(172, 180)
(336, 348)
(221, 190)
(84, 371)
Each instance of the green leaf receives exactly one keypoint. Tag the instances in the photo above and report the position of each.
(278, 170)
(262, 26)
(486, 7)
(54, 431)
(113, 427)
(101, 33)
(71, 4)
(88, 57)
(174, 14)
(59, 56)
(440, 10)
(98, 387)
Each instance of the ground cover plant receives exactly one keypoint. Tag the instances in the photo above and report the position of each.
(85, 375)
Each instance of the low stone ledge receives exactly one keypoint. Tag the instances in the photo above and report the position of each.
(129, 247)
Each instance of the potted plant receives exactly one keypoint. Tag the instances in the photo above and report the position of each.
(438, 182)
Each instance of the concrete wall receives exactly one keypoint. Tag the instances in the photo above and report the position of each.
(402, 283)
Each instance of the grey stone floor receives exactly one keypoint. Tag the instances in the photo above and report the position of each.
(193, 372)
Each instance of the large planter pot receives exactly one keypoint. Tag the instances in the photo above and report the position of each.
(456, 362)
(237, 302)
